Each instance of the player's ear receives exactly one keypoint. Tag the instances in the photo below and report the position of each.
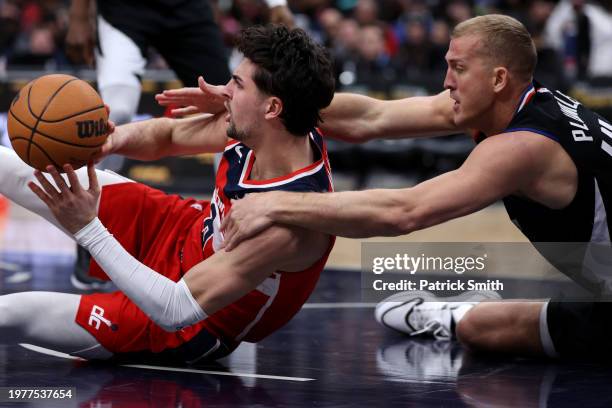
(274, 107)
(500, 78)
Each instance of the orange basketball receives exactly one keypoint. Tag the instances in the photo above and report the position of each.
(57, 119)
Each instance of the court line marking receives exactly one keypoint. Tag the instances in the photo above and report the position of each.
(191, 370)
(339, 305)
(54, 353)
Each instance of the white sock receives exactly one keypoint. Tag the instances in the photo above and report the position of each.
(459, 312)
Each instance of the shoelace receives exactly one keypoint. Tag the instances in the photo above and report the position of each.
(436, 328)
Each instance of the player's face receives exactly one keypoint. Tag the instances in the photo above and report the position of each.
(469, 77)
(244, 103)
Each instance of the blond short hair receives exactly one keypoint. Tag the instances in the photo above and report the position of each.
(503, 40)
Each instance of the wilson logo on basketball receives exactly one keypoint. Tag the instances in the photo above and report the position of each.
(91, 128)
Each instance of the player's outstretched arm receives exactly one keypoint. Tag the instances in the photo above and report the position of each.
(156, 138)
(207, 287)
(497, 167)
(357, 118)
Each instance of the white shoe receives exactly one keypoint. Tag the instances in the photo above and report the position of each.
(420, 359)
(421, 312)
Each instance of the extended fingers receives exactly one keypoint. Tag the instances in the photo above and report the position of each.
(58, 179)
(94, 186)
(75, 185)
(184, 111)
(46, 185)
(40, 193)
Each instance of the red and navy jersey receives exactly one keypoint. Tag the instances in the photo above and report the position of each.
(234, 182)
(273, 303)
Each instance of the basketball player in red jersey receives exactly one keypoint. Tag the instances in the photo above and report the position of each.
(180, 295)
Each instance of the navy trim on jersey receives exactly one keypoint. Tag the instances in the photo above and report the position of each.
(541, 132)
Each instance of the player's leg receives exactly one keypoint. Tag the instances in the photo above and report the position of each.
(513, 327)
(478, 320)
(421, 312)
(120, 65)
(47, 319)
(15, 176)
(200, 50)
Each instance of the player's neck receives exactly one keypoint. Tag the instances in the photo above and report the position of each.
(281, 153)
(499, 117)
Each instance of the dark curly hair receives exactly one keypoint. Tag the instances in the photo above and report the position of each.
(291, 66)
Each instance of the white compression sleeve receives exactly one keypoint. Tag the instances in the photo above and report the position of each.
(169, 304)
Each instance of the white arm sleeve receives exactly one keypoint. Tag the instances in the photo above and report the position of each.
(169, 304)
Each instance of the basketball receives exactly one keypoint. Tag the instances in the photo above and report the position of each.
(57, 119)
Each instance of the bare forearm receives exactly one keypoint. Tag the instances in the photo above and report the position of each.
(156, 138)
(353, 214)
(144, 140)
(357, 118)
(348, 116)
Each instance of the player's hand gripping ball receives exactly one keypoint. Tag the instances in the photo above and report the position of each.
(56, 120)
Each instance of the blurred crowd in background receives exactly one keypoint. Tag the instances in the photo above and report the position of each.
(376, 43)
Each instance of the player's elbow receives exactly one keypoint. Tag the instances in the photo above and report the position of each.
(178, 310)
(405, 219)
(401, 214)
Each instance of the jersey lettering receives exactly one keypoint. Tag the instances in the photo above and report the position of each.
(569, 108)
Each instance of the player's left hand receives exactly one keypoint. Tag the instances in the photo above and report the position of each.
(205, 98)
(247, 218)
(73, 206)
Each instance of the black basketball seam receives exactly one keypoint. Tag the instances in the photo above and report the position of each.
(47, 136)
(72, 116)
(39, 148)
(57, 91)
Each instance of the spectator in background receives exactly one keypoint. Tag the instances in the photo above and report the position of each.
(343, 41)
(550, 64)
(366, 12)
(582, 33)
(9, 29)
(374, 65)
(440, 38)
(458, 11)
(329, 20)
(414, 55)
(36, 45)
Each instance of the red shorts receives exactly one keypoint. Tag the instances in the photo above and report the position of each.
(152, 226)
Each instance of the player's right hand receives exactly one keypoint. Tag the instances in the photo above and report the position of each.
(111, 145)
(204, 99)
(80, 42)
